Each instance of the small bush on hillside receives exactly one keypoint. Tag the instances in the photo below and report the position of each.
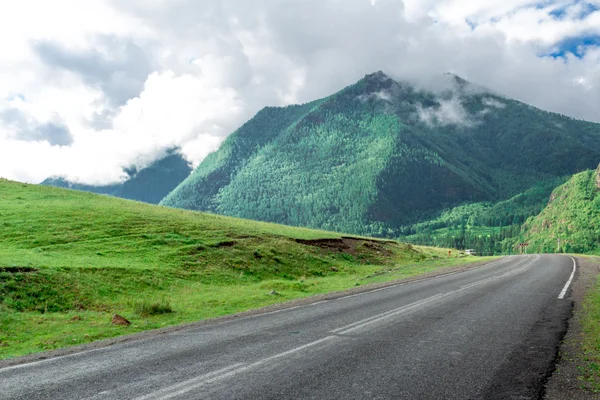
(147, 308)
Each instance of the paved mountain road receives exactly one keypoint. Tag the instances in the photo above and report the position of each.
(489, 332)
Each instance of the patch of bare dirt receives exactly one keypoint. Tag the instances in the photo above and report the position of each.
(14, 270)
(564, 383)
(348, 245)
(227, 243)
(330, 244)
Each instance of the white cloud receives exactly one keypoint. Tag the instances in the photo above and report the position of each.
(129, 79)
(491, 102)
(380, 95)
(172, 111)
(522, 20)
(448, 112)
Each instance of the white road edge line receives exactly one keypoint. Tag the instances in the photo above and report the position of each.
(509, 273)
(184, 387)
(418, 280)
(170, 389)
(388, 314)
(564, 291)
(409, 307)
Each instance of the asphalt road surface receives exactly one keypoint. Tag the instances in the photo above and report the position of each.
(487, 333)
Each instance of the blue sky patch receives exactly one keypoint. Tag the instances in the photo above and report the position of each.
(577, 46)
(471, 24)
(587, 9)
(559, 13)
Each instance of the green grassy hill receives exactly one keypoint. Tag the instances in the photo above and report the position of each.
(572, 215)
(69, 260)
(150, 184)
(381, 155)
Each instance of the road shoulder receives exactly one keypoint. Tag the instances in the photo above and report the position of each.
(565, 382)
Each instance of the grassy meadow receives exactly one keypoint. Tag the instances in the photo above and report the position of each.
(69, 260)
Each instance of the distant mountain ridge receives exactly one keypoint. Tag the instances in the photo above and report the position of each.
(381, 154)
(150, 184)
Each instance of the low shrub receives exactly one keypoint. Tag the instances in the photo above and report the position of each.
(147, 308)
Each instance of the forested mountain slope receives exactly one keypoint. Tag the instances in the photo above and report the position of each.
(149, 184)
(486, 227)
(380, 155)
(572, 215)
(218, 168)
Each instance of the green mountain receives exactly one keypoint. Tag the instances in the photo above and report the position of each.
(149, 184)
(572, 215)
(486, 227)
(381, 155)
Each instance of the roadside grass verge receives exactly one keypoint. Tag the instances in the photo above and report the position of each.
(70, 260)
(590, 342)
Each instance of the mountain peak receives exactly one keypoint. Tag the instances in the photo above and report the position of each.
(440, 83)
(458, 78)
(374, 83)
(378, 76)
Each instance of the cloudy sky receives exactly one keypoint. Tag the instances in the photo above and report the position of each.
(89, 87)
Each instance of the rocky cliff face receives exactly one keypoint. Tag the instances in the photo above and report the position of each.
(598, 177)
